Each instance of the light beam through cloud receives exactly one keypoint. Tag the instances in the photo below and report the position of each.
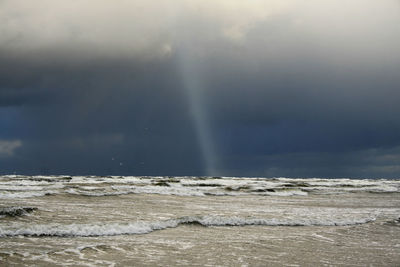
(194, 89)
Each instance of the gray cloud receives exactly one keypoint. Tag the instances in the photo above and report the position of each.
(290, 87)
(368, 163)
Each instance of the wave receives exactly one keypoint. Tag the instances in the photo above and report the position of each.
(112, 229)
(25, 194)
(285, 193)
(179, 191)
(122, 190)
(95, 194)
(15, 211)
(36, 186)
(395, 222)
(30, 187)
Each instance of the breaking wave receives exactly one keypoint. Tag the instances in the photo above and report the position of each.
(112, 229)
(37, 186)
(15, 211)
(25, 194)
(177, 191)
(119, 190)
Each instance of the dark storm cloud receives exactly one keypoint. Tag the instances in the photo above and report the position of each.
(288, 88)
(82, 116)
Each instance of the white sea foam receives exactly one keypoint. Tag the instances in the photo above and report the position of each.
(137, 190)
(96, 193)
(30, 187)
(36, 186)
(286, 193)
(15, 211)
(110, 229)
(162, 190)
(25, 194)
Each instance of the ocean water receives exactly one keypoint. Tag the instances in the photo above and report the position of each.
(198, 221)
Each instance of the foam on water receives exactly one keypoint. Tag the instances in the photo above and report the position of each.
(293, 217)
(37, 186)
(162, 190)
(30, 187)
(15, 211)
(111, 229)
(25, 194)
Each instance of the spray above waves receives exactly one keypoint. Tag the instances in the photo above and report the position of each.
(112, 229)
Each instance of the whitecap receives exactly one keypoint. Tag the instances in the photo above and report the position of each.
(25, 194)
(111, 229)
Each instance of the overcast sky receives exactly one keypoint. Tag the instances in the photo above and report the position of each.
(295, 88)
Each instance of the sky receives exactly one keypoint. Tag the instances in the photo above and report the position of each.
(267, 88)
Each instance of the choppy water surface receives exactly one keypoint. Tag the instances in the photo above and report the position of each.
(116, 221)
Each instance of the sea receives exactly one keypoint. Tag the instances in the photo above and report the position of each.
(198, 221)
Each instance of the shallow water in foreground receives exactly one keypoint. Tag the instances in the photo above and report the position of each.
(118, 221)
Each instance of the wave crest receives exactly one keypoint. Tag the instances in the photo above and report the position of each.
(111, 229)
(15, 211)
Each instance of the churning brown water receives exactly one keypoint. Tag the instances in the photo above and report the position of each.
(198, 221)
